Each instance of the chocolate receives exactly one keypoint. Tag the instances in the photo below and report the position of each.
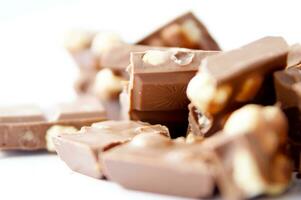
(153, 163)
(202, 125)
(27, 128)
(288, 85)
(248, 155)
(83, 151)
(228, 80)
(185, 31)
(156, 91)
(294, 56)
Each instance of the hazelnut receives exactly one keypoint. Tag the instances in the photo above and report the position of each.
(246, 174)
(192, 31)
(244, 120)
(278, 122)
(55, 131)
(150, 140)
(78, 39)
(249, 88)
(29, 139)
(205, 95)
(104, 41)
(107, 85)
(156, 57)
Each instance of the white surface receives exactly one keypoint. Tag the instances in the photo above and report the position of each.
(35, 68)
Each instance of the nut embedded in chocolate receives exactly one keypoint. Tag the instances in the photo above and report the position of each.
(236, 77)
(151, 162)
(83, 151)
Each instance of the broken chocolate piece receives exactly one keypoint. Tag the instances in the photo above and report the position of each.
(294, 56)
(157, 85)
(81, 151)
(248, 154)
(230, 79)
(27, 128)
(153, 163)
(186, 31)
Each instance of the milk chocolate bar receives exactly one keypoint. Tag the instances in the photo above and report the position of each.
(28, 128)
(156, 91)
(294, 56)
(185, 31)
(228, 80)
(248, 154)
(153, 163)
(83, 151)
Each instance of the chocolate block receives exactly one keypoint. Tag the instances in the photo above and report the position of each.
(156, 91)
(27, 128)
(185, 31)
(82, 151)
(288, 91)
(248, 155)
(228, 80)
(294, 56)
(153, 163)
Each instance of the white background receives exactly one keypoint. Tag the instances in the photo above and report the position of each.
(34, 68)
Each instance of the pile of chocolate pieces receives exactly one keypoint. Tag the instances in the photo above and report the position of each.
(173, 114)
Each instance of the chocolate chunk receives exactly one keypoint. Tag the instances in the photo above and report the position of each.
(294, 56)
(19, 114)
(185, 31)
(228, 80)
(153, 163)
(156, 91)
(27, 128)
(81, 151)
(249, 153)
(287, 85)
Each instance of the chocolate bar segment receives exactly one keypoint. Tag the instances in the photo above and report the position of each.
(153, 163)
(27, 129)
(81, 151)
(185, 31)
(249, 154)
(156, 91)
(294, 56)
(288, 85)
(228, 80)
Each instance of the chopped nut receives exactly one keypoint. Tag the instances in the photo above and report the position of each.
(249, 88)
(205, 95)
(28, 139)
(156, 57)
(246, 174)
(78, 40)
(150, 140)
(104, 41)
(107, 85)
(55, 131)
(192, 31)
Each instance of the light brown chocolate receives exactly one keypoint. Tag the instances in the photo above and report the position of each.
(185, 31)
(153, 163)
(83, 150)
(27, 127)
(156, 91)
